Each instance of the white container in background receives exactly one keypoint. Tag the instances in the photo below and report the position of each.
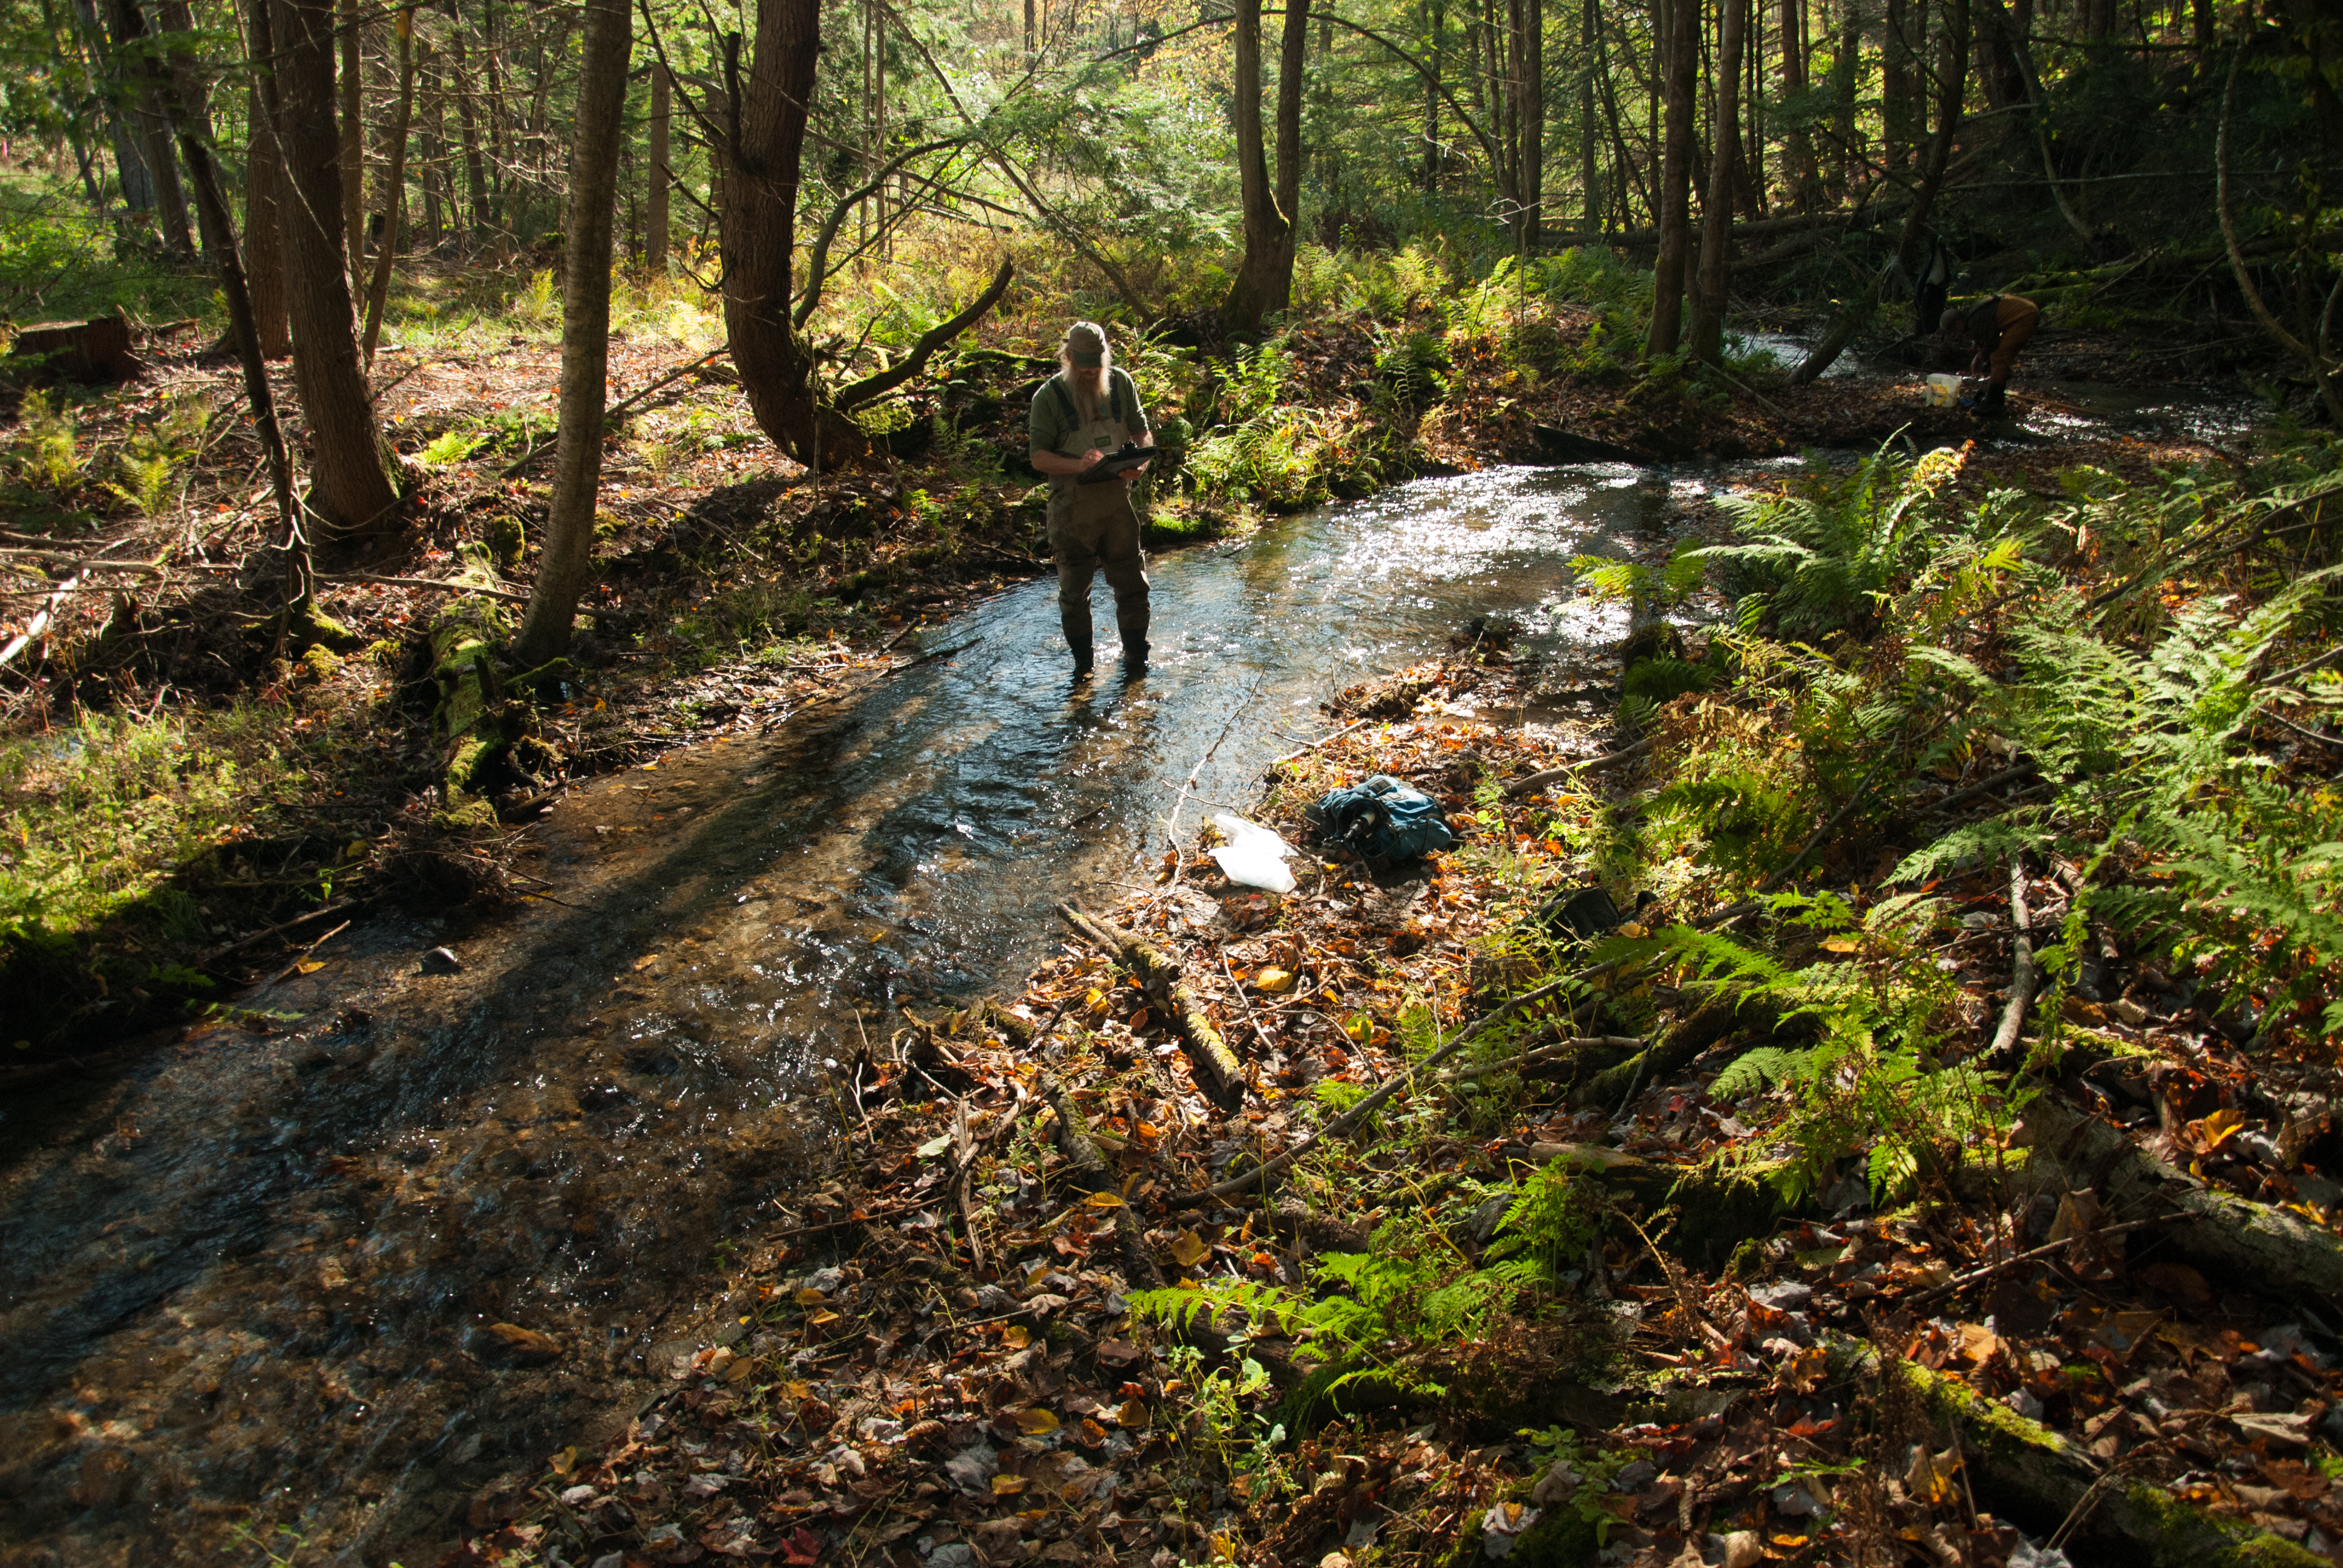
(1943, 390)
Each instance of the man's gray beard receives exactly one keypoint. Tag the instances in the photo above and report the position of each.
(1087, 404)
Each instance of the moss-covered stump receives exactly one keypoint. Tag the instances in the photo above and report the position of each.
(1715, 1213)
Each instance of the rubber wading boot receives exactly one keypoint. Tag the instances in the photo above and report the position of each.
(1134, 654)
(1081, 658)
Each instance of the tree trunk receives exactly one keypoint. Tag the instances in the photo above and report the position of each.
(394, 190)
(264, 247)
(1264, 279)
(1680, 54)
(760, 169)
(1436, 14)
(476, 175)
(655, 219)
(350, 478)
(1590, 202)
(170, 197)
(1847, 79)
(1799, 170)
(1716, 212)
(1895, 84)
(180, 94)
(585, 336)
(353, 145)
(1530, 45)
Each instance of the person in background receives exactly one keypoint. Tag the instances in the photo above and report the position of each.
(1085, 411)
(1998, 325)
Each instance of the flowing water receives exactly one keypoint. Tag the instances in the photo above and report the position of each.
(248, 1283)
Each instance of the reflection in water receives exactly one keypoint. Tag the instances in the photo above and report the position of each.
(257, 1277)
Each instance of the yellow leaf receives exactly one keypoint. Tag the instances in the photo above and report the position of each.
(310, 966)
(1632, 928)
(1017, 1336)
(1104, 1201)
(821, 1318)
(2222, 1126)
(1007, 1485)
(1036, 1274)
(1095, 1000)
(646, 962)
(809, 1297)
(1273, 981)
(1190, 1250)
(1131, 1413)
(1841, 945)
(797, 1389)
(738, 1371)
(1930, 1480)
(1036, 1421)
(564, 1461)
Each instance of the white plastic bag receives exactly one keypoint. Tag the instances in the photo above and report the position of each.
(1942, 390)
(1254, 857)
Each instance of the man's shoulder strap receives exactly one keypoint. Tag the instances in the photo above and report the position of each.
(1057, 384)
(1115, 381)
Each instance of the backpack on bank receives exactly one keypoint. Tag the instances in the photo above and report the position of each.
(1382, 819)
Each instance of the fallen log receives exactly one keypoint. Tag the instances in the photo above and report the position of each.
(1539, 781)
(1562, 446)
(1692, 1036)
(2279, 1254)
(1218, 1072)
(1088, 1170)
(2025, 1472)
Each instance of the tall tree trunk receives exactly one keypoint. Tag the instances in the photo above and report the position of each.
(1716, 211)
(1589, 22)
(1032, 41)
(655, 220)
(476, 175)
(501, 148)
(394, 188)
(760, 167)
(1846, 81)
(170, 197)
(1681, 54)
(1799, 172)
(1895, 84)
(353, 147)
(1530, 46)
(182, 96)
(1264, 279)
(349, 463)
(264, 178)
(585, 336)
(150, 129)
(1435, 13)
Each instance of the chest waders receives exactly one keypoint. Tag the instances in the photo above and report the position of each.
(1093, 527)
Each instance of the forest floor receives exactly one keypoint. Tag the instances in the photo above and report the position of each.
(1021, 1324)
(267, 781)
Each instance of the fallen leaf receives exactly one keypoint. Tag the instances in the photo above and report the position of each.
(1104, 1201)
(310, 966)
(1841, 945)
(1016, 1336)
(1929, 1480)
(646, 962)
(2220, 1127)
(809, 1297)
(1273, 981)
(1007, 1485)
(1036, 1421)
(1190, 1250)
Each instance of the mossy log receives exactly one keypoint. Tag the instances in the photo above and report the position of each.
(1088, 1170)
(1715, 1211)
(477, 723)
(1218, 1072)
(2027, 1473)
(2072, 1150)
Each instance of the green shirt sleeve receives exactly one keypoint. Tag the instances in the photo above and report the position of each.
(1045, 423)
(1136, 416)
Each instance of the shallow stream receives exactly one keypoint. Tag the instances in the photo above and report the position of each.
(250, 1279)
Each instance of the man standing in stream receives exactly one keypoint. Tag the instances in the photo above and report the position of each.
(1080, 417)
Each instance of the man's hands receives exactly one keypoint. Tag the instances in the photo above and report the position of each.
(1058, 463)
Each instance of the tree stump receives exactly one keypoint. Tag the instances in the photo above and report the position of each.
(89, 352)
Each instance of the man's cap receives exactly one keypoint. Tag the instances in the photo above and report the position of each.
(1952, 320)
(1086, 344)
